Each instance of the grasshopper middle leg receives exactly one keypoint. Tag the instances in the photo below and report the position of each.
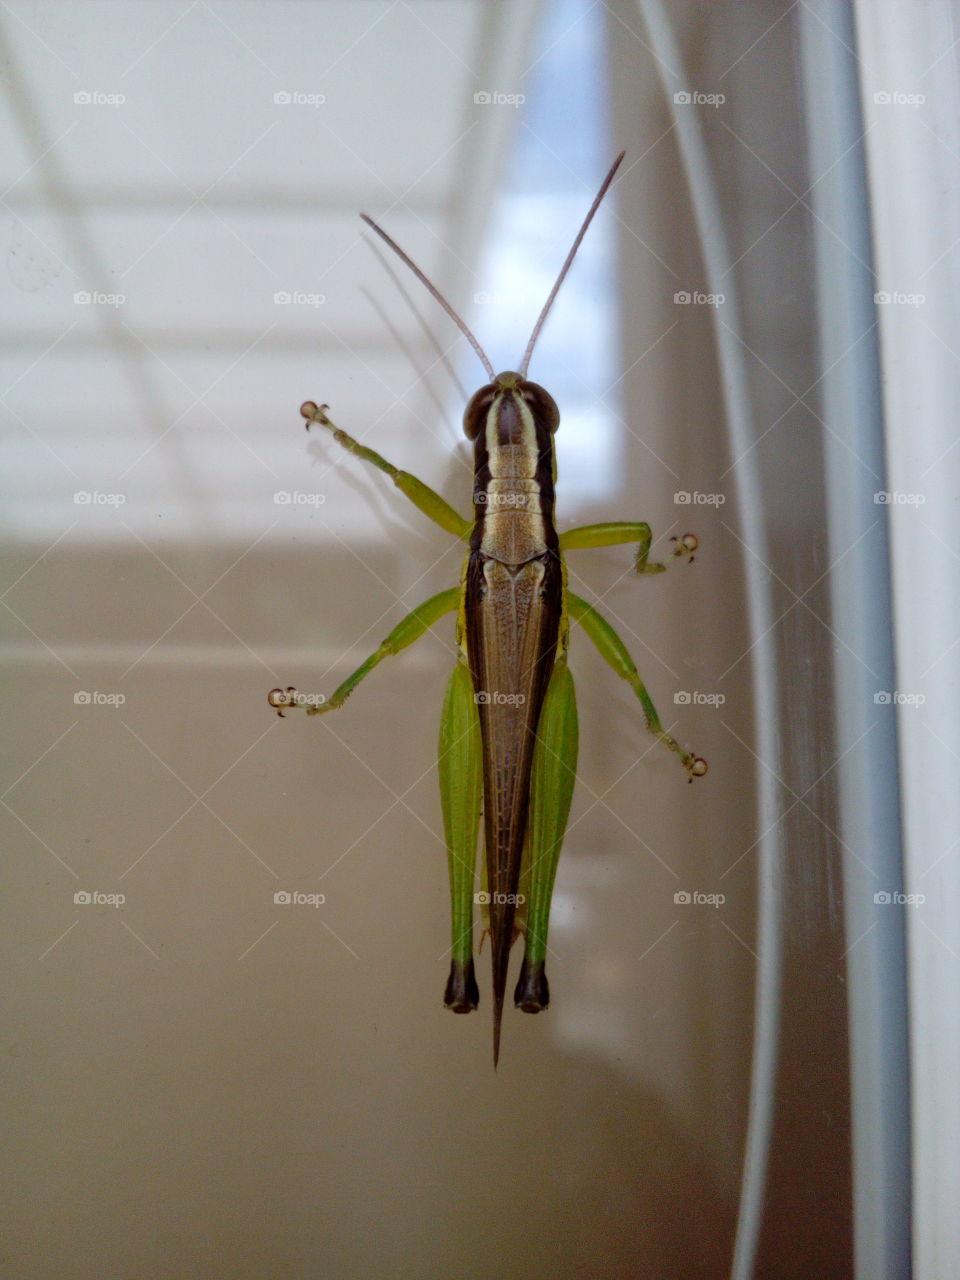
(407, 630)
(612, 649)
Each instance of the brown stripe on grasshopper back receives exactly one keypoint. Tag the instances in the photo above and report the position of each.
(513, 605)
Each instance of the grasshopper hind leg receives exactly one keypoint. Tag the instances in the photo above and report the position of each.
(461, 786)
(551, 791)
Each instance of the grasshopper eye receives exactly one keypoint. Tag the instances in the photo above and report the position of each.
(475, 414)
(542, 404)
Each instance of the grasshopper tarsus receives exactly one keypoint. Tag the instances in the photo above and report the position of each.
(314, 413)
(290, 697)
(532, 992)
(685, 546)
(462, 995)
(280, 698)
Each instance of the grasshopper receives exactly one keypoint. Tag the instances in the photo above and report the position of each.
(508, 730)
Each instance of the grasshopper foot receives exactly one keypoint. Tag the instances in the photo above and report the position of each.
(280, 698)
(313, 704)
(532, 993)
(696, 767)
(314, 413)
(685, 547)
(462, 994)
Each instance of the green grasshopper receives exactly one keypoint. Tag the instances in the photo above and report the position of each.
(508, 732)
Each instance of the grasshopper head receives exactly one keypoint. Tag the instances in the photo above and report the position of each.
(515, 391)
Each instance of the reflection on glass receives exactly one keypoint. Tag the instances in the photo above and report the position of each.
(561, 151)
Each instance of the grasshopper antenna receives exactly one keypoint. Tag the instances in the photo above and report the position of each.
(566, 266)
(434, 291)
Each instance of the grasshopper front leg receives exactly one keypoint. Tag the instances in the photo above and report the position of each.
(615, 533)
(421, 495)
